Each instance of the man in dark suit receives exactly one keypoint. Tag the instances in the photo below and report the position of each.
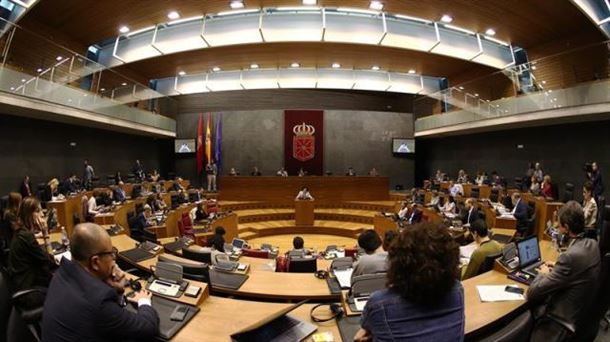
(471, 213)
(567, 288)
(416, 214)
(26, 187)
(82, 303)
(119, 194)
(519, 212)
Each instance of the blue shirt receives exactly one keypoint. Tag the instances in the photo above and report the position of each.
(390, 317)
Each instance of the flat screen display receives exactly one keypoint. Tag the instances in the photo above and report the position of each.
(184, 146)
(400, 145)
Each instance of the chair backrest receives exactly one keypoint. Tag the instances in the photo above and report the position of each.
(303, 265)
(341, 263)
(211, 207)
(601, 211)
(495, 194)
(296, 254)
(488, 263)
(255, 253)
(219, 256)
(5, 306)
(197, 271)
(475, 193)
(201, 256)
(84, 203)
(555, 190)
(519, 329)
(186, 220)
(367, 284)
(351, 252)
(568, 193)
(604, 240)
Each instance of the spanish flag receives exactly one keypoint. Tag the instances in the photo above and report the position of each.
(208, 139)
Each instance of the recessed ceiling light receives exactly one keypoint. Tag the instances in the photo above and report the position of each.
(490, 32)
(124, 83)
(253, 66)
(23, 80)
(216, 69)
(12, 88)
(236, 4)
(173, 15)
(69, 100)
(182, 73)
(336, 65)
(375, 67)
(446, 18)
(533, 67)
(103, 89)
(124, 29)
(543, 82)
(39, 70)
(59, 58)
(376, 5)
(310, 2)
(295, 65)
(411, 71)
(461, 88)
(476, 95)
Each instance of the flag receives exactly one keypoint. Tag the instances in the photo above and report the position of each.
(217, 142)
(208, 139)
(200, 144)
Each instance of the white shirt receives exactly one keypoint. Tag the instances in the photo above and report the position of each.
(304, 195)
(456, 189)
(92, 206)
(403, 213)
(448, 207)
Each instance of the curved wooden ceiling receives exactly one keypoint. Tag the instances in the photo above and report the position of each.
(524, 23)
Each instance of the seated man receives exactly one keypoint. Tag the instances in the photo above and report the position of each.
(282, 172)
(119, 194)
(297, 247)
(177, 186)
(82, 303)
(519, 212)
(471, 213)
(479, 232)
(415, 215)
(566, 289)
(375, 259)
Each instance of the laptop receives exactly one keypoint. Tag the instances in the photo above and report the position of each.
(238, 244)
(529, 255)
(278, 327)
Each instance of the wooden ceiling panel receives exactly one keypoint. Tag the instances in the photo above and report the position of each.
(525, 23)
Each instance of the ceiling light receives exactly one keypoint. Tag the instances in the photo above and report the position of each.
(216, 69)
(336, 65)
(103, 89)
(411, 71)
(182, 73)
(376, 5)
(490, 32)
(310, 2)
(173, 15)
(446, 18)
(476, 95)
(12, 88)
(295, 65)
(236, 4)
(124, 29)
(23, 80)
(543, 82)
(59, 58)
(253, 66)
(124, 84)
(461, 88)
(39, 70)
(533, 67)
(375, 68)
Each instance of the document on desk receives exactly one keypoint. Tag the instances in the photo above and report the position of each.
(344, 277)
(497, 293)
(466, 251)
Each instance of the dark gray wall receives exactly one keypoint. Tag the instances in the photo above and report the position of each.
(351, 138)
(562, 150)
(41, 149)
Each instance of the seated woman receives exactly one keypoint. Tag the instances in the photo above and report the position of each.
(547, 187)
(10, 217)
(304, 195)
(140, 221)
(418, 305)
(534, 186)
(217, 242)
(29, 264)
(589, 207)
(448, 208)
(154, 176)
(53, 188)
(200, 213)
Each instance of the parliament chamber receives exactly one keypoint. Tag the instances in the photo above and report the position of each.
(304, 170)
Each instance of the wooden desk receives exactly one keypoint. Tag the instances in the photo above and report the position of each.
(544, 212)
(67, 208)
(432, 215)
(324, 189)
(303, 212)
(382, 224)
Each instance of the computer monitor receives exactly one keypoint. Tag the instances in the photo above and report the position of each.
(238, 243)
(529, 251)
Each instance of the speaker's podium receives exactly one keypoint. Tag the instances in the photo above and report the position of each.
(303, 212)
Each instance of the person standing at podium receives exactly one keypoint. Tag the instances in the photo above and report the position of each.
(304, 195)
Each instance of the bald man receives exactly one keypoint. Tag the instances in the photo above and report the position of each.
(82, 302)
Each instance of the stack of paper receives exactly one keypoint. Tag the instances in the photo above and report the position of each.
(497, 293)
(344, 277)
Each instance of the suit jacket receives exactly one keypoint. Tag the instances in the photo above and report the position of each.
(415, 216)
(568, 291)
(26, 189)
(29, 264)
(80, 307)
(119, 194)
(469, 217)
(520, 214)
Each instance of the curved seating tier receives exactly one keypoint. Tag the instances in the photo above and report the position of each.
(278, 227)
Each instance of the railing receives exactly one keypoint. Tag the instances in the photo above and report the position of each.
(576, 77)
(39, 68)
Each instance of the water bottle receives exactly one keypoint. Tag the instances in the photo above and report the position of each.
(555, 239)
(64, 237)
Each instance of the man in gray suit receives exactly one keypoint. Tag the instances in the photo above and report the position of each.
(566, 289)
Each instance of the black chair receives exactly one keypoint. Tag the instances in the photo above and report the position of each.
(303, 265)
(519, 183)
(488, 263)
(139, 235)
(589, 328)
(601, 212)
(475, 193)
(568, 193)
(5, 306)
(201, 256)
(110, 179)
(25, 321)
(519, 329)
(555, 191)
(197, 271)
(604, 239)
(494, 196)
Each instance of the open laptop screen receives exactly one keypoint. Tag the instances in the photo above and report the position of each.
(529, 251)
(238, 243)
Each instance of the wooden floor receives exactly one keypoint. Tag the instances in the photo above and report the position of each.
(315, 241)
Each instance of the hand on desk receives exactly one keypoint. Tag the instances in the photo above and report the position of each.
(363, 336)
(545, 268)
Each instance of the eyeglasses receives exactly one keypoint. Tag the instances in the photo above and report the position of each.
(114, 253)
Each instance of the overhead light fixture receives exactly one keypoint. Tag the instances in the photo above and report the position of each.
(376, 5)
(39, 70)
(253, 66)
(124, 83)
(461, 88)
(23, 80)
(476, 95)
(182, 73)
(446, 18)
(124, 29)
(310, 2)
(59, 58)
(534, 67)
(375, 68)
(103, 89)
(12, 88)
(490, 32)
(236, 4)
(336, 65)
(216, 69)
(411, 71)
(173, 15)
(295, 65)
(543, 82)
